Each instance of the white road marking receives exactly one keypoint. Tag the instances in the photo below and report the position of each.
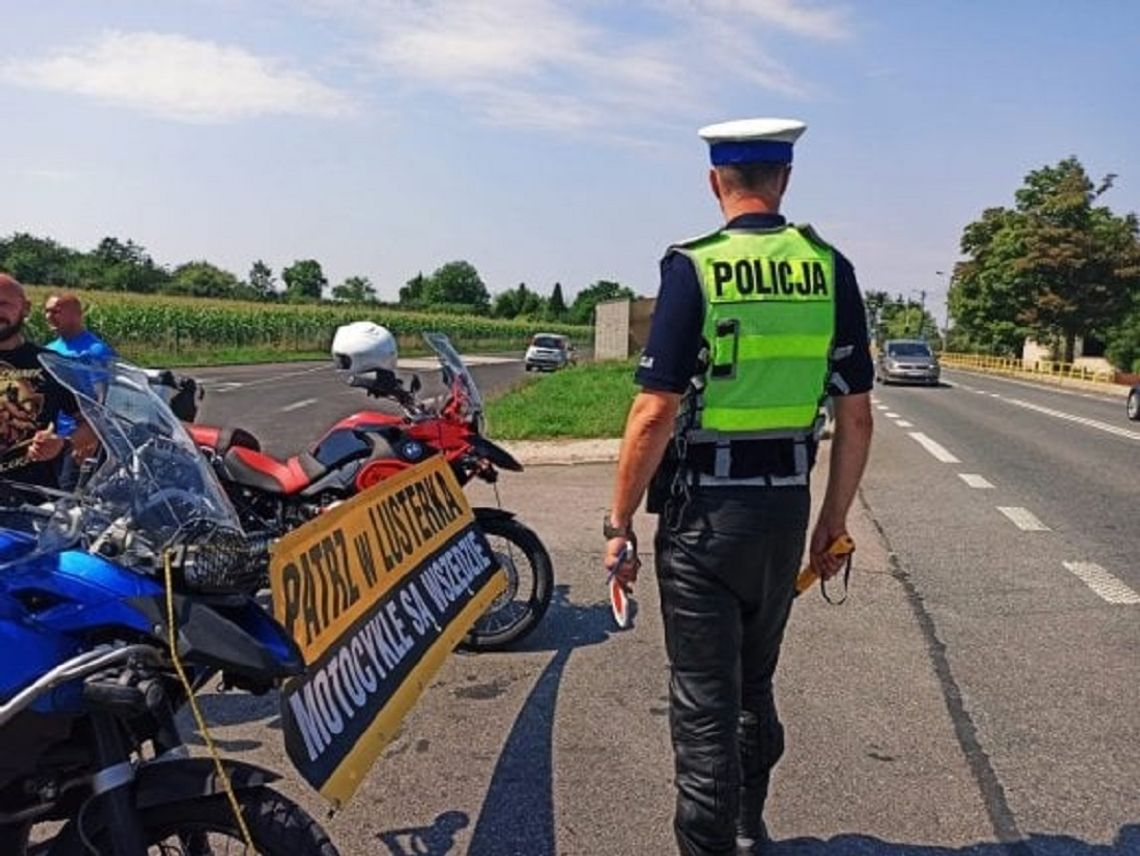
(902, 423)
(890, 415)
(881, 407)
(230, 386)
(1023, 519)
(976, 481)
(995, 394)
(937, 450)
(297, 405)
(1103, 583)
(980, 391)
(1080, 420)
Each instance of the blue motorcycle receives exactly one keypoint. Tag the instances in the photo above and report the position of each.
(93, 588)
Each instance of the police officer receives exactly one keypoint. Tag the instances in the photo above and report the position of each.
(755, 324)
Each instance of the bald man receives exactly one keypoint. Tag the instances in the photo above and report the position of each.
(31, 400)
(64, 315)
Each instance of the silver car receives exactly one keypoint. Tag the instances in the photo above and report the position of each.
(907, 361)
(549, 351)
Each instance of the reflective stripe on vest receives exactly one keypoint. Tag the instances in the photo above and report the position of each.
(769, 322)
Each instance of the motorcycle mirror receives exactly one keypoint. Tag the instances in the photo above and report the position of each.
(415, 386)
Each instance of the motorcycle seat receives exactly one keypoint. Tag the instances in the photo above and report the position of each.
(221, 440)
(253, 469)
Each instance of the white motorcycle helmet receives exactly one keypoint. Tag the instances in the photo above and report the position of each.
(363, 346)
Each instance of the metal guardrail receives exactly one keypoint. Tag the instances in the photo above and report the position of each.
(1017, 367)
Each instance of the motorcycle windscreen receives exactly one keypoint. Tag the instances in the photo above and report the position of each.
(153, 480)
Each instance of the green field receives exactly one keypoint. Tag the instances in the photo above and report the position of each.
(159, 330)
(589, 400)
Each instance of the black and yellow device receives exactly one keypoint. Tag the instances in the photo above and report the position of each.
(841, 546)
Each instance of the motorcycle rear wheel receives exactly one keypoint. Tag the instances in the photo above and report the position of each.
(277, 826)
(530, 574)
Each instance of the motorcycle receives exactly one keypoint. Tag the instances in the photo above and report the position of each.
(117, 603)
(273, 496)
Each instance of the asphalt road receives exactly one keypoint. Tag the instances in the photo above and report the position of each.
(288, 406)
(976, 696)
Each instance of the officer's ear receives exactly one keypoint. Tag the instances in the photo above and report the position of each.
(714, 184)
(785, 177)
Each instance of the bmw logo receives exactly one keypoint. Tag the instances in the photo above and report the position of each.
(412, 451)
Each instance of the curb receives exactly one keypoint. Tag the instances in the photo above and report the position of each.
(537, 453)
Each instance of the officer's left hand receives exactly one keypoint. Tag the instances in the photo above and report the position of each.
(627, 573)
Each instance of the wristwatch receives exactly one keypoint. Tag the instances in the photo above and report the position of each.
(611, 531)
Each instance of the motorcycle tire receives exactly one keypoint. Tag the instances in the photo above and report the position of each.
(278, 826)
(524, 558)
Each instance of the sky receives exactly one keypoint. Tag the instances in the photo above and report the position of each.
(544, 141)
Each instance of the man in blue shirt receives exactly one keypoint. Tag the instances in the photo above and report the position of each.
(65, 316)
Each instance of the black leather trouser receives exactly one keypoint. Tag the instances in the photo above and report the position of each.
(726, 566)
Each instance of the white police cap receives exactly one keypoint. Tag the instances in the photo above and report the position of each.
(752, 140)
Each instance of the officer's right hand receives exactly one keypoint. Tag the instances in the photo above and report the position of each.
(625, 571)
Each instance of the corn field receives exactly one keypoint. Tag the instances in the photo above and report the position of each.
(134, 323)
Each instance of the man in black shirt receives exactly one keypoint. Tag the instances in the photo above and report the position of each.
(31, 400)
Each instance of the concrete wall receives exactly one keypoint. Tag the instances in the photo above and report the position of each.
(611, 330)
(621, 327)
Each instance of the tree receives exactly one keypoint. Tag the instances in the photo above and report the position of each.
(261, 282)
(874, 302)
(37, 260)
(1055, 266)
(202, 279)
(582, 310)
(412, 294)
(119, 266)
(355, 289)
(556, 307)
(456, 283)
(901, 319)
(304, 281)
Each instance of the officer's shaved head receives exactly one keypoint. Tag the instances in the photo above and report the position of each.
(759, 178)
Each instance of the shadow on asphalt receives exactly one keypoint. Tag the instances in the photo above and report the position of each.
(434, 840)
(1127, 844)
(518, 811)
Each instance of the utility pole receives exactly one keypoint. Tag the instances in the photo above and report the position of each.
(921, 312)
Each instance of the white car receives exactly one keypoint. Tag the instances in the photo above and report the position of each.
(549, 351)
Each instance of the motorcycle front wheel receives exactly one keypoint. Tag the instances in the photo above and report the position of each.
(530, 584)
(277, 826)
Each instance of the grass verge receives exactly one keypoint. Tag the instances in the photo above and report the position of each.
(585, 401)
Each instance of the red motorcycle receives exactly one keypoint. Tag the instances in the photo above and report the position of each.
(273, 496)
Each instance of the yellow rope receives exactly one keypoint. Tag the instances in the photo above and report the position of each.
(198, 718)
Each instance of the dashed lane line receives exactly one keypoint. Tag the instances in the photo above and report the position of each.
(902, 423)
(1023, 518)
(891, 415)
(297, 405)
(976, 481)
(1080, 420)
(1107, 586)
(936, 449)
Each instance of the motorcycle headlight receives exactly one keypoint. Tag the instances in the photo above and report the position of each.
(213, 559)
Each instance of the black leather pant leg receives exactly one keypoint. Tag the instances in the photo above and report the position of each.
(726, 572)
(761, 735)
(702, 638)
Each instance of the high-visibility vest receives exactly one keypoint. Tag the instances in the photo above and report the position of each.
(769, 322)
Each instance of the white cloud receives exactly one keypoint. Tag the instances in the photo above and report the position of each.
(597, 66)
(178, 78)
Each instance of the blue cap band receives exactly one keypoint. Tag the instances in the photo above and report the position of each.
(750, 151)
